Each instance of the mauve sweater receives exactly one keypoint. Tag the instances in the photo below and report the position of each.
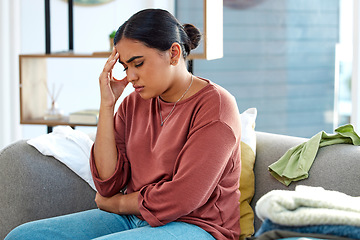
(186, 170)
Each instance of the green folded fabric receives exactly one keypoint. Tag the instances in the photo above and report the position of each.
(295, 164)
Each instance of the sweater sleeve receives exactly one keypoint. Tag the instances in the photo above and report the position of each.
(199, 168)
(111, 186)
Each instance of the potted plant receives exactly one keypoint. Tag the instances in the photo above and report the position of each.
(111, 37)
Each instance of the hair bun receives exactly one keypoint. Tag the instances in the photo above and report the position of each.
(194, 35)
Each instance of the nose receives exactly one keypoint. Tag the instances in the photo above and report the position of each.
(131, 75)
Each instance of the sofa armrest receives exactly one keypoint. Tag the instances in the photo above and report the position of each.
(34, 186)
(336, 167)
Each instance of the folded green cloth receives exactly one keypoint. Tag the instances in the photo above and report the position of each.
(295, 164)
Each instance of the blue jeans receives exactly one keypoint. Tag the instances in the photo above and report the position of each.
(101, 225)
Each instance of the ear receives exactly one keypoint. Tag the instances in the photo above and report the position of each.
(175, 53)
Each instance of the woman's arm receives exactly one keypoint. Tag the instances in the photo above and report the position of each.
(105, 152)
(119, 203)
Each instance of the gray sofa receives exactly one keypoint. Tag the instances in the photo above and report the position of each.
(34, 186)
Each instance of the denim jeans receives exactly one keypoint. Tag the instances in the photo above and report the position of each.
(101, 225)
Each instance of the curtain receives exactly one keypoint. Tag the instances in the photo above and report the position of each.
(9, 71)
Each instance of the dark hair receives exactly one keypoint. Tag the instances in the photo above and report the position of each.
(159, 29)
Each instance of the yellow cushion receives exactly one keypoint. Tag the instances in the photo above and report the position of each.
(247, 178)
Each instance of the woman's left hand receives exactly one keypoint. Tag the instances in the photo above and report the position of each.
(119, 203)
(109, 204)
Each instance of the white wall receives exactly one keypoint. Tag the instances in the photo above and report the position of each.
(78, 78)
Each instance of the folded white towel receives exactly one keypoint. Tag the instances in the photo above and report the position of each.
(69, 146)
(309, 206)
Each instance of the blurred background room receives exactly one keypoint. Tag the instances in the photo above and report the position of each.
(294, 60)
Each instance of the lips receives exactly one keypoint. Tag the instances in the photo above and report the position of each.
(138, 88)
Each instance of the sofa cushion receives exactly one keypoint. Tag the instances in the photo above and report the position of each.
(247, 188)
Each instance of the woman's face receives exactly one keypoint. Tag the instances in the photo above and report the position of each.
(146, 68)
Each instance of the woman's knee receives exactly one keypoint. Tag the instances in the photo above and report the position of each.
(82, 225)
(30, 230)
(51, 228)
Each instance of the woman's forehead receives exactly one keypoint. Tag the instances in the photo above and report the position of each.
(129, 49)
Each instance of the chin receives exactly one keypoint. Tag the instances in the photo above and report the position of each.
(146, 96)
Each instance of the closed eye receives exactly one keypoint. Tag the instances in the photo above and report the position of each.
(139, 65)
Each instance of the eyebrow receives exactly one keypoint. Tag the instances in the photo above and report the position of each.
(131, 59)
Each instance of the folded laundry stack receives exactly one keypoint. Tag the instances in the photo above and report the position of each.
(313, 211)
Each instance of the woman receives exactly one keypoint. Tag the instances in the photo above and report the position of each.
(167, 165)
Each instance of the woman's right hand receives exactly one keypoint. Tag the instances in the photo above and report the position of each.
(110, 87)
